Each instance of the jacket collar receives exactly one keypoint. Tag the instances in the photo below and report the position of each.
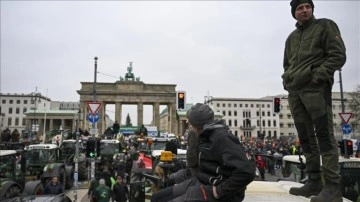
(306, 25)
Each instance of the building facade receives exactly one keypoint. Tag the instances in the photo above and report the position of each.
(247, 117)
(14, 107)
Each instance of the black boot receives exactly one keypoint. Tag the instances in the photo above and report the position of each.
(312, 188)
(330, 193)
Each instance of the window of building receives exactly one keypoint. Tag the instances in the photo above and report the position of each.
(257, 122)
(229, 105)
(268, 105)
(262, 113)
(235, 123)
(263, 123)
(9, 121)
(281, 125)
(252, 105)
(240, 105)
(17, 110)
(289, 116)
(25, 102)
(257, 113)
(274, 123)
(24, 110)
(23, 121)
(280, 116)
(16, 121)
(235, 113)
(289, 125)
(224, 113)
(229, 113)
(269, 133)
(17, 101)
(217, 105)
(223, 104)
(262, 105)
(11, 101)
(275, 133)
(235, 105)
(10, 110)
(3, 101)
(269, 123)
(268, 114)
(230, 124)
(236, 133)
(246, 105)
(257, 105)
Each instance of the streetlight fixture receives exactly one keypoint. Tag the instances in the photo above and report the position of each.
(208, 99)
(79, 116)
(35, 98)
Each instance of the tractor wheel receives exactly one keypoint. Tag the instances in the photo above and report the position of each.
(82, 171)
(70, 182)
(12, 192)
(62, 178)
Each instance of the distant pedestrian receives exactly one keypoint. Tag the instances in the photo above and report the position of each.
(260, 164)
(120, 190)
(53, 187)
(102, 193)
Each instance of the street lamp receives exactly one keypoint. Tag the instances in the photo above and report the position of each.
(35, 97)
(208, 99)
(76, 175)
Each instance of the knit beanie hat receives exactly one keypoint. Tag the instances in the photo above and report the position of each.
(294, 4)
(199, 115)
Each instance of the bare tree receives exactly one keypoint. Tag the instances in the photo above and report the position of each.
(354, 105)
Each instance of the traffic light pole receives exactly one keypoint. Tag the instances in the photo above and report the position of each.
(342, 110)
(94, 126)
(76, 175)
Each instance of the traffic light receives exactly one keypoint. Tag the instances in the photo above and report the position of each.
(349, 147)
(180, 100)
(98, 147)
(277, 105)
(90, 148)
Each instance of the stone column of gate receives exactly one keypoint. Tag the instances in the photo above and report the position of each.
(102, 123)
(156, 114)
(140, 113)
(41, 127)
(172, 125)
(118, 111)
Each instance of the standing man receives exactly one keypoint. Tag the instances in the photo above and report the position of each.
(102, 193)
(53, 187)
(116, 128)
(313, 52)
(120, 190)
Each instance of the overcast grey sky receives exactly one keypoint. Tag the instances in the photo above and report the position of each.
(226, 48)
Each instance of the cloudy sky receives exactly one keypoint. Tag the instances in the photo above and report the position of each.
(220, 48)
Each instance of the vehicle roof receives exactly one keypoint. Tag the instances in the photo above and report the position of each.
(7, 152)
(264, 191)
(71, 140)
(295, 159)
(42, 146)
(39, 198)
(110, 141)
(158, 152)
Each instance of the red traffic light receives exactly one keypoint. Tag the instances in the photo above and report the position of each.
(349, 143)
(277, 100)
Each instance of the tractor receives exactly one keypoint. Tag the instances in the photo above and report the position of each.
(12, 179)
(44, 161)
(68, 153)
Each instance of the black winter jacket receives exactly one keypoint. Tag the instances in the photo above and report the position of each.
(222, 162)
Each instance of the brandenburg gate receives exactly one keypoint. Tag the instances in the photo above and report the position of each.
(130, 91)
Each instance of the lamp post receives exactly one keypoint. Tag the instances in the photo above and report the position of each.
(208, 99)
(76, 174)
(35, 97)
(94, 126)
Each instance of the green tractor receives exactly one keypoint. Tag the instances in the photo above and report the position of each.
(12, 179)
(68, 154)
(45, 161)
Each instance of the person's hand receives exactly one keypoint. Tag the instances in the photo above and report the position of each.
(215, 193)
